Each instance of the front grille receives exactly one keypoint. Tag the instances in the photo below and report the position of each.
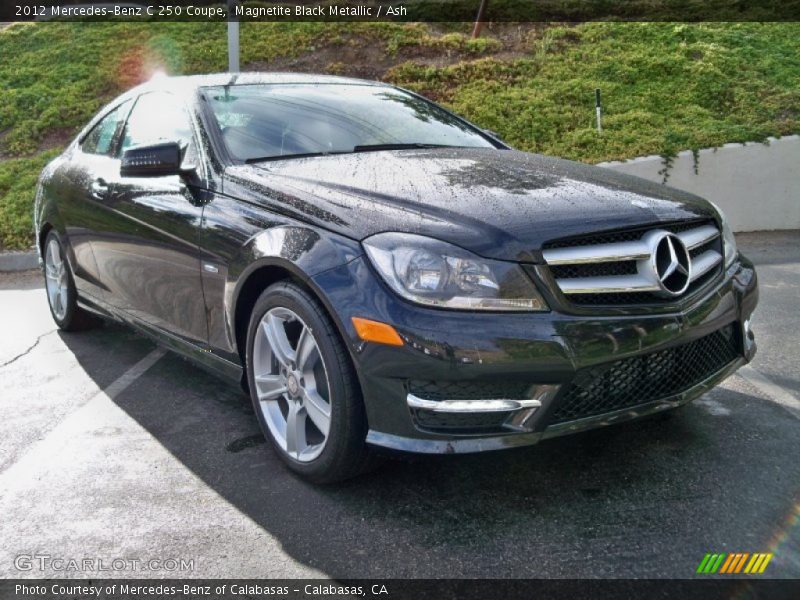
(623, 267)
(642, 379)
(469, 390)
(614, 268)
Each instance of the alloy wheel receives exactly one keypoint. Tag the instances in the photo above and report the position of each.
(291, 384)
(55, 270)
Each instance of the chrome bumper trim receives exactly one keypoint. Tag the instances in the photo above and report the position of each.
(471, 406)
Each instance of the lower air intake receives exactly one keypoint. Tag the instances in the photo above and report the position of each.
(642, 379)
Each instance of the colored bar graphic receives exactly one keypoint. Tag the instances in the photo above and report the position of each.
(764, 564)
(703, 563)
(734, 563)
(728, 563)
(754, 560)
(740, 564)
(732, 567)
(717, 563)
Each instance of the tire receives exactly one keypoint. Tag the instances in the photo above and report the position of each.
(304, 372)
(62, 296)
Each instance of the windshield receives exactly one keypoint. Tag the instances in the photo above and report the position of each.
(266, 122)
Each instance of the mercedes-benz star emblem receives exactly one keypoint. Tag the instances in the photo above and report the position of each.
(672, 264)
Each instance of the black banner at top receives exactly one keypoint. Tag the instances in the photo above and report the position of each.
(401, 10)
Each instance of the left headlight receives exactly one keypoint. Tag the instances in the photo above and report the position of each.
(728, 239)
(434, 273)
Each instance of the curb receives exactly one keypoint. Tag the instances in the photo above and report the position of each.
(19, 261)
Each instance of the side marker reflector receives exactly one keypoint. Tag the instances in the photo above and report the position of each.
(375, 331)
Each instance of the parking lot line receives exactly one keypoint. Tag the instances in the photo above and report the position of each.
(771, 390)
(132, 374)
(101, 466)
(112, 390)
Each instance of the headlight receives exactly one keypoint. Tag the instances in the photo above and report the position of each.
(434, 273)
(728, 240)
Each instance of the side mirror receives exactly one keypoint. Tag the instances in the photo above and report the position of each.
(153, 160)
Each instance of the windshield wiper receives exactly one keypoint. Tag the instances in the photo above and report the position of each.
(361, 148)
(284, 156)
(375, 147)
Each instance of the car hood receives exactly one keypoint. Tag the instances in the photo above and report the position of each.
(499, 204)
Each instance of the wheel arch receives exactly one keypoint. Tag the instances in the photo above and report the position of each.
(259, 277)
(44, 230)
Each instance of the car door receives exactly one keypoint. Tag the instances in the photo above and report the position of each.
(83, 182)
(147, 252)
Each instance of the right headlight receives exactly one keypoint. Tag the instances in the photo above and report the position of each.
(433, 273)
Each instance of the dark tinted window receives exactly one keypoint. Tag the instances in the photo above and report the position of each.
(160, 117)
(284, 119)
(101, 137)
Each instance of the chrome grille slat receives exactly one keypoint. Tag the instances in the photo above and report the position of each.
(592, 275)
(697, 237)
(704, 263)
(607, 285)
(597, 253)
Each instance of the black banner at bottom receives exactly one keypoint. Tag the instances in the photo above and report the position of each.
(398, 589)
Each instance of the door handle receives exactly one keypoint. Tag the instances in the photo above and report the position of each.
(99, 188)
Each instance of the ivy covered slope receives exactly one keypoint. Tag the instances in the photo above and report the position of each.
(666, 87)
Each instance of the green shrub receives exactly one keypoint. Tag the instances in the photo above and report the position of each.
(666, 87)
(17, 184)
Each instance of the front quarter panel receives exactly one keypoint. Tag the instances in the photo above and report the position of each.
(45, 210)
(241, 241)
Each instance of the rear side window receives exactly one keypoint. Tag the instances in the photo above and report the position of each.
(160, 117)
(100, 139)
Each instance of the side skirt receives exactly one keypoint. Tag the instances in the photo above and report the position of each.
(202, 357)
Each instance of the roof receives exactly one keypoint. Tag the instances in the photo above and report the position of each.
(186, 83)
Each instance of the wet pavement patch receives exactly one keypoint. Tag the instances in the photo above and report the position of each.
(244, 443)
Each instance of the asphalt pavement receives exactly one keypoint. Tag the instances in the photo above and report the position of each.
(111, 448)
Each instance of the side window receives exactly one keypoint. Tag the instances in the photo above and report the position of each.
(101, 137)
(159, 117)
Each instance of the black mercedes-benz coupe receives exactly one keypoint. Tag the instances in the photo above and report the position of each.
(378, 272)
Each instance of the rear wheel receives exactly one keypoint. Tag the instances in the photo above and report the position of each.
(303, 386)
(61, 293)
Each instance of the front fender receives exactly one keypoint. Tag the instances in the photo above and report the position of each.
(45, 209)
(246, 248)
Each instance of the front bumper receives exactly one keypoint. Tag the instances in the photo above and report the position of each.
(548, 354)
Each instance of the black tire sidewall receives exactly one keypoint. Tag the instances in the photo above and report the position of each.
(345, 443)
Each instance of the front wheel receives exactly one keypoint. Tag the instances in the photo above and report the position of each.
(61, 293)
(303, 387)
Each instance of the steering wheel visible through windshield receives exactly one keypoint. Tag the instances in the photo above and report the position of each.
(273, 121)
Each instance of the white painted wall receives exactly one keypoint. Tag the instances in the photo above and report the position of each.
(756, 185)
